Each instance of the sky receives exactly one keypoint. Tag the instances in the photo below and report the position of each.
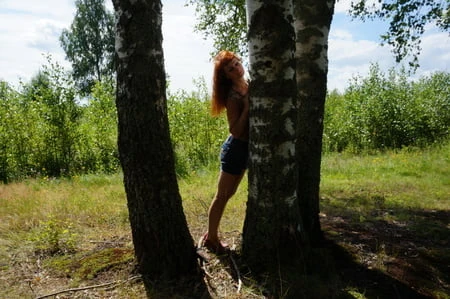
(30, 29)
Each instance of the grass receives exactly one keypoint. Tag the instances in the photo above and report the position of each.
(387, 212)
(409, 178)
(403, 181)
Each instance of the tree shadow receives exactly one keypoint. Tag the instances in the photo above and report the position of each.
(191, 286)
(374, 257)
(400, 251)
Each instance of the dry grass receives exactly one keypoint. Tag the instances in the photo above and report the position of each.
(385, 216)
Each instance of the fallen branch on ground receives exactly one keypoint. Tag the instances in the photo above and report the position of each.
(238, 274)
(115, 283)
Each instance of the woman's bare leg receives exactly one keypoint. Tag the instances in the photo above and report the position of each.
(226, 188)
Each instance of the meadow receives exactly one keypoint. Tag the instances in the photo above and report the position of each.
(385, 214)
(384, 196)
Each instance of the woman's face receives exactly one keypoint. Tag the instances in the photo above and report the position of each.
(234, 69)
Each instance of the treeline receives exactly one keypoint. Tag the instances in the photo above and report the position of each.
(47, 130)
(388, 111)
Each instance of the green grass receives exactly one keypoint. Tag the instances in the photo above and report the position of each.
(393, 187)
(198, 190)
(410, 178)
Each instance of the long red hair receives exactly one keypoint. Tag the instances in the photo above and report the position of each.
(221, 84)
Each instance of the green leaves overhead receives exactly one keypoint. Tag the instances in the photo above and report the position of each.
(224, 21)
(407, 22)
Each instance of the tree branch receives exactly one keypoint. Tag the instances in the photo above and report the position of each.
(116, 283)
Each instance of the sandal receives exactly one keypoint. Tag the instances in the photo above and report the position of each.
(216, 247)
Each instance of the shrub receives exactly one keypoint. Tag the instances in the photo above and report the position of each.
(196, 136)
(388, 111)
(55, 237)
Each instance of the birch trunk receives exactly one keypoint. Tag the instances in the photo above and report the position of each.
(273, 226)
(163, 246)
(312, 25)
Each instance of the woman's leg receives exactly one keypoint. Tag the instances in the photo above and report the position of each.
(226, 188)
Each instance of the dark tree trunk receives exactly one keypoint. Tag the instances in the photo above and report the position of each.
(273, 226)
(312, 25)
(163, 246)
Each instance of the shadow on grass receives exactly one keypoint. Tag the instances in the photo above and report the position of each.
(372, 256)
(189, 287)
(333, 273)
(401, 251)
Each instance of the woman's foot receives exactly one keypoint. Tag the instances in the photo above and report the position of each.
(214, 245)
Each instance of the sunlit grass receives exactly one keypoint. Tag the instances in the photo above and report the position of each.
(416, 179)
(198, 191)
(88, 201)
(388, 186)
(410, 178)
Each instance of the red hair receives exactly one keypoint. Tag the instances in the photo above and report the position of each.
(221, 84)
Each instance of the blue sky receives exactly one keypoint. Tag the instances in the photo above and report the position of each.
(29, 29)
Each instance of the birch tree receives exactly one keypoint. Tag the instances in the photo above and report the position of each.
(272, 231)
(312, 25)
(163, 246)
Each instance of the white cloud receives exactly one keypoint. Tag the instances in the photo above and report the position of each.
(44, 34)
(186, 53)
(349, 57)
(435, 54)
(30, 28)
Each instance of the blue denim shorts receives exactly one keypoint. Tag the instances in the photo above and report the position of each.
(234, 156)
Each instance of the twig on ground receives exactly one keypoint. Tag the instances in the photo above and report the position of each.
(238, 274)
(108, 242)
(115, 283)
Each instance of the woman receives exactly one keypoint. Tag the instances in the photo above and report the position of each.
(230, 93)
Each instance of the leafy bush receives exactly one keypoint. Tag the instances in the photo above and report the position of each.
(388, 111)
(98, 148)
(47, 130)
(55, 237)
(196, 136)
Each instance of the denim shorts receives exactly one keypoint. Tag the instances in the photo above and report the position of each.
(234, 156)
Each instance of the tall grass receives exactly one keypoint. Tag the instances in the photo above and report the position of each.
(70, 216)
(410, 178)
(88, 204)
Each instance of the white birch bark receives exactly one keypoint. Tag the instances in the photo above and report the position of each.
(273, 219)
(312, 25)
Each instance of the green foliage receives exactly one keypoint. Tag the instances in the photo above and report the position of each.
(55, 237)
(9, 112)
(196, 136)
(223, 21)
(89, 43)
(53, 97)
(408, 20)
(388, 111)
(98, 146)
(46, 131)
